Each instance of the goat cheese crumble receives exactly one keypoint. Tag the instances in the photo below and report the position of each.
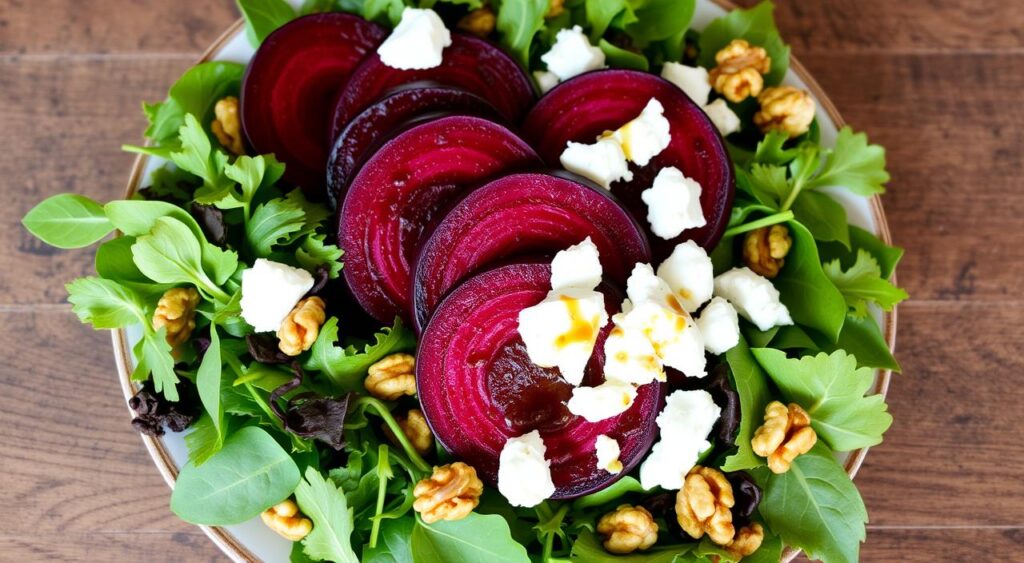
(719, 325)
(572, 54)
(689, 274)
(270, 291)
(645, 136)
(577, 266)
(524, 476)
(417, 42)
(545, 80)
(630, 358)
(725, 120)
(604, 401)
(607, 450)
(754, 297)
(602, 162)
(692, 80)
(673, 203)
(684, 425)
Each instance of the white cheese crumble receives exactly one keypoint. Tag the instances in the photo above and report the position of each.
(719, 325)
(572, 54)
(269, 292)
(684, 425)
(578, 266)
(673, 203)
(725, 120)
(607, 450)
(524, 476)
(602, 162)
(646, 135)
(630, 358)
(689, 274)
(608, 399)
(676, 339)
(692, 80)
(545, 80)
(754, 297)
(417, 42)
(560, 331)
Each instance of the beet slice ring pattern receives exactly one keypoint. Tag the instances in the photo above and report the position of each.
(582, 108)
(470, 63)
(478, 387)
(357, 140)
(290, 86)
(524, 215)
(395, 200)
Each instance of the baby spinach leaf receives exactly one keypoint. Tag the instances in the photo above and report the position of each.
(887, 256)
(751, 383)
(264, 16)
(588, 549)
(68, 221)
(756, 25)
(811, 297)
(325, 505)
(248, 475)
(203, 440)
(476, 537)
(831, 388)
(105, 303)
(273, 223)
(394, 545)
(170, 253)
(346, 367)
(600, 14)
(815, 506)
(196, 92)
(660, 19)
(853, 164)
(795, 338)
(618, 57)
(862, 338)
(862, 284)
(518, 22)
(314, 252)
(823, 216)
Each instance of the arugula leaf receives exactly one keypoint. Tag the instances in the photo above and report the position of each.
(618, 57)
(346, 367)
(273, 223)
(153, 357)
(325, 505)
(208, 381)
(888, 256)
(203, 440)
(661, 19)
(105, 303)
(751, 384)
(264, 16)
(170, 253)
(394, 544)
(315, 213)
(823, 216)
(114, 262)
(815, 506)
(600, 14)
(831, 388)
(313, 252)
(196, 92)
(854, 165)
(68, 221)
(476, 537)
(756, 25)
(862, 283)
(518, 22)
(198, 157)
(811, 297)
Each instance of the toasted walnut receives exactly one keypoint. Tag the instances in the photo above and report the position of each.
(627, 529)
(746, 542)
(765, 249)
(285, 519)
(227, 126)
(300, 328)
(703, 505)
(451, 493)
(785, 109)
(479, 22)
(176, 311)
(785, 434)
(740, 70)
(414, 426)
(555, 9)
(392, 377)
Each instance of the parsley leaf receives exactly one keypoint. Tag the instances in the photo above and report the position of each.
(346, 367)
(831, 388)
(854, 165)
(153, 356)
(862, 283)
(105, 303)
(198, 157)
(770, 150)
(325, 505)
(273, 223)
(888, 256)
(314, 252)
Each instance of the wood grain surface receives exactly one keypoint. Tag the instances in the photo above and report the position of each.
(932, 80)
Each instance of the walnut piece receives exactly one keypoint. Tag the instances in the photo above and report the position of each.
(227, 126)
(392, 377)
(300, 328)
(740, 70)
(785, 109)
(627, 529)
(555, 9)
(785, 434)
(748, 539)
(414, 426)
(479, 22)
(176, 311)
(451, 493)
(765, 249)
(703, 505)
(285, 519)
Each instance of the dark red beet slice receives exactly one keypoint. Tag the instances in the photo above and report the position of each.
(478, 387)
(291, 84)
(522, 215)
(470, 63)
(357, 140)
(582, 108)
(396, 197)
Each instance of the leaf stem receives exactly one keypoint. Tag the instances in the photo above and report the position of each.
(797, 188)
(762, 222)
(383, 474)
(382, 411)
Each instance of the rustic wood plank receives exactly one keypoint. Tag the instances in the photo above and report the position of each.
(152, 547)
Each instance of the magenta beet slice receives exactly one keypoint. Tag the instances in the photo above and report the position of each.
(396, 197)
(470, 63)
(290, 86)
(524, 215)
(582, 108)
(356, 141)
(478, 387)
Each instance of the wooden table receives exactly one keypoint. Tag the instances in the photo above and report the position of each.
(932, 80)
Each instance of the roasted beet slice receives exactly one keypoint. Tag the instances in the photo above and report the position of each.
(469, 63)
(357, 140)
(290, 86)
(582, 108)
(395, 198)
(478, 387)
(524, 215)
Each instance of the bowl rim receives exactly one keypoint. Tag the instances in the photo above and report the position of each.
(235, 549)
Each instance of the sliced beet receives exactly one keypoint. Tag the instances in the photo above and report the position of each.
(478, 387)
(396, 197)
(582, 108)
(356, 141)
(524, 215)
(470, 63)
(290, 86)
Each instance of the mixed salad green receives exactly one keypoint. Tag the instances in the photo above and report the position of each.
(265, 427)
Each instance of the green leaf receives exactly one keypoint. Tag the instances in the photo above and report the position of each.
(823, 216)
(771, 150)
(68, 221)
(831, 388)
(812, 299)
(751, 383)
(273, 223)
(394, 544)
(196, 92)
(388, 12)
(203, 440)
(887, 256)
(588, 549)
(170, 253)
(814, 506)
(660, 19)
(600, 14)
(614, 492)
(474, 538)
(517, 23)
(346, 367)
(618, 57)
(248, 475)
(153, 357)
(854, 165)
(208, 381)
(314, 252)
(767, 183)
(794, 337)
(105, 303)
(114, 262)
(264, 16)
(198, 157)
(756, 25)
(862, 284)
(324, 504)
(862, 338)
(316, 213)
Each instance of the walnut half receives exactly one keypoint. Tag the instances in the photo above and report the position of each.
(392, 377)
(765, 249)
(785, 109)
(704, 503)
(785, 434)
(450, 493)
(285, 519)
(627, 529)
(176, 311)
(740, 70)
(300, 328)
